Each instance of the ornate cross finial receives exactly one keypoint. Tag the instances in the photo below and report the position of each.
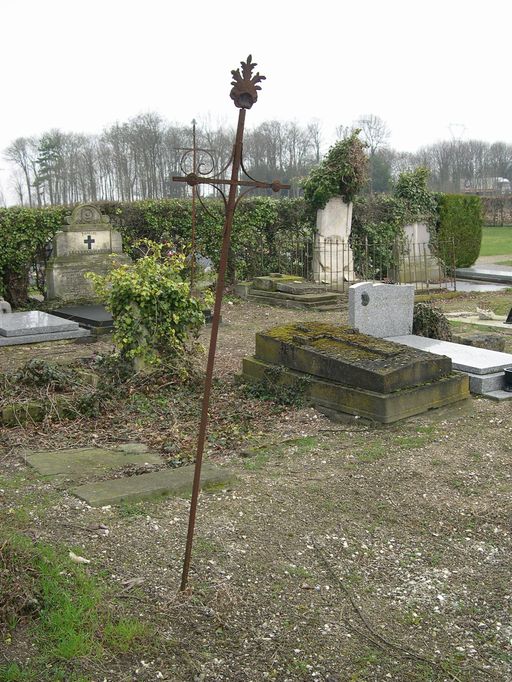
(244, 92)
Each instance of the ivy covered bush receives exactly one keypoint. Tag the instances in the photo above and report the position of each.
(267, 232)
(343, 172)
(379, 219)
(459, 223)
(150, 301)
(429, 321)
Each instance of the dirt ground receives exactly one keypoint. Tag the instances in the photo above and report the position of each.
(343, 551)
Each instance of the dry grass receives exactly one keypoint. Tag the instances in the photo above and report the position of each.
(343, 552)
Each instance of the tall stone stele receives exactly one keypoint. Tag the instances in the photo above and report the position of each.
(86, 244)
(333, 262)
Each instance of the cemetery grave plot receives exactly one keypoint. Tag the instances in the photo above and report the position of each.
(410, 520)
(348, 372)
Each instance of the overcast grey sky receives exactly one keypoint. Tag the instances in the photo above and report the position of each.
(429, 69)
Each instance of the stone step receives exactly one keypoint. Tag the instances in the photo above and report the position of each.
(304, 298)
(498, 395)
(290, 302)
(173, 482)
(77, 462)
(484, 383)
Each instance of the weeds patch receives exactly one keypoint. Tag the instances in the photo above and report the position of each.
(63, 607)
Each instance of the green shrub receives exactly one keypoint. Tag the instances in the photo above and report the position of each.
(429, 321)
(459, 222)
(24, 234)
(154, 313)
(259, 226)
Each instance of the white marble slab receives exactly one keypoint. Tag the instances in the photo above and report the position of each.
(34, 322)
(464, 358)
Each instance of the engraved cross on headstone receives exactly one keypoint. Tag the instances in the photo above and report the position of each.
(89, 241)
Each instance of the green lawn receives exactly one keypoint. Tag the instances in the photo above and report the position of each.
(496, 241)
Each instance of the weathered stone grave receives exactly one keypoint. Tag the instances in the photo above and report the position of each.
(382, 309)
(36, 327)
(289, 291)
(341, 370)
(92, 316)
(86, 244)
(416, 262)
(73, 465)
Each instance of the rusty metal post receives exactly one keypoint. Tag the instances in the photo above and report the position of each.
(194, 190)
(226, 238)
(244, 94)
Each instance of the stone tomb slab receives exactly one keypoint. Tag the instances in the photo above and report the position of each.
(43, 338)
(77, 462)
(464, 358)
(334, 398)
(300, 288)
(174, 482)
(486, 273)
(33, 322)
(340, 354)
(270, 282)
(90, 316)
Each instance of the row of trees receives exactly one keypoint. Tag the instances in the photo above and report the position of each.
(137, 159)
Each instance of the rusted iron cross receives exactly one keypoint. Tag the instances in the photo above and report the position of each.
(201, 158)
(244, 93)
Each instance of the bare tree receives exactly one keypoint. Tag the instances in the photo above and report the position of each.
(374, 132)
(23, 153)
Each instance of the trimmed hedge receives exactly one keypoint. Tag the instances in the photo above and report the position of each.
(263, 230)
(460, 219)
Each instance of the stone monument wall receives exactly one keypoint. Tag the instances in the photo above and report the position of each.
(86, 244)
(332, 256)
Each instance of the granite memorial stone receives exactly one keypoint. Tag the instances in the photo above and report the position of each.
(86, 244)
(376, 309)
(36, 327)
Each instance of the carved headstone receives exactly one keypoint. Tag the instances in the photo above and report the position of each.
(417, 263)
(86, 244)
(332, 256)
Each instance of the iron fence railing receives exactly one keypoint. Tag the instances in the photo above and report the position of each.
(337, 264)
